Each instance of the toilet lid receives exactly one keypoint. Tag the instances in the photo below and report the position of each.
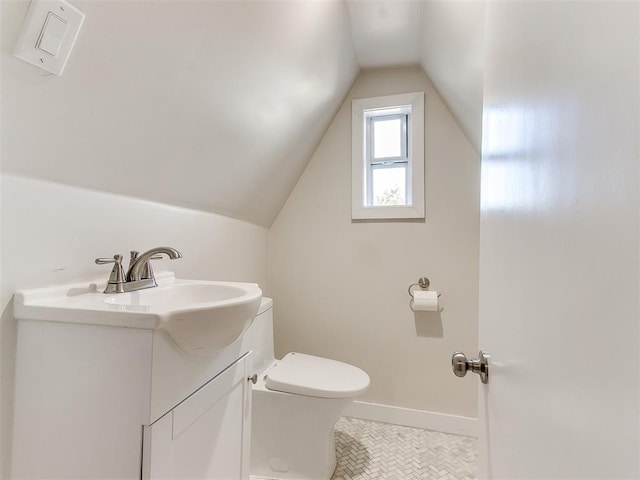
(316, 377)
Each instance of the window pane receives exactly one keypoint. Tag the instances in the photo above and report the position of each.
(387, 138)
(389, 186)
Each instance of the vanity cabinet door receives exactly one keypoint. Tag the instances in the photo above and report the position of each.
(207, 436)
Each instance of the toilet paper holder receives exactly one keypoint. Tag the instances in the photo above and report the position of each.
(423, 283)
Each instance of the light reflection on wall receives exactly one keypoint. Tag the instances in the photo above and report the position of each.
(508, 177)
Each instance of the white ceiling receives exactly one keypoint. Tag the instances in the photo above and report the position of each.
(386, 33)
(219, 105)
(446, 37)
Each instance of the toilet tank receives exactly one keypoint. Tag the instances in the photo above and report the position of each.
(259, 336)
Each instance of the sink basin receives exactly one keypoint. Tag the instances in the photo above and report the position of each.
(180, 292)
(201, 317)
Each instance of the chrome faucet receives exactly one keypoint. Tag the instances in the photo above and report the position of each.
(140, 274)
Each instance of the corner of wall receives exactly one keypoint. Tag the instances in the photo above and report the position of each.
(339, 288)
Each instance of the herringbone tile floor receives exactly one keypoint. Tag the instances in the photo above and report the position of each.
(369, 450)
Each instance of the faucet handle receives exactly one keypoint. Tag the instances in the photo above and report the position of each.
(116, 259)
(116, 278)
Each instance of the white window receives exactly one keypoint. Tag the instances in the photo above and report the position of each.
(388, 157)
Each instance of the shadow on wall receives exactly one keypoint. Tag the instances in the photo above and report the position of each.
(429, 324)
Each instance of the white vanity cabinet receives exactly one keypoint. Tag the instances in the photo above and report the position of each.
(102, 402)
(205, 435)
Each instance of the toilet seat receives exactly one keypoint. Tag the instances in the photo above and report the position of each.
(313, 376)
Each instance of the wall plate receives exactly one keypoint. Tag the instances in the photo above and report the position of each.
(48, 34)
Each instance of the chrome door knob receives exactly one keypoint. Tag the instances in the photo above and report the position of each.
(480, 365)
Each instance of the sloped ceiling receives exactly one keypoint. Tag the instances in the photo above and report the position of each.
(446, 37)
(218, 105)
(452, 56)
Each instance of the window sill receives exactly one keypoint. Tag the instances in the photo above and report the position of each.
(387, 213)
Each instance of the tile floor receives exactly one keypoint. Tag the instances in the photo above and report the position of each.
(369, 450)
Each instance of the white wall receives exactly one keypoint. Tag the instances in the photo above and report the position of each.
(340, 288)
(51, 233)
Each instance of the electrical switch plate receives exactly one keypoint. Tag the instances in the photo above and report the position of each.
(48, 34)
(52, 35)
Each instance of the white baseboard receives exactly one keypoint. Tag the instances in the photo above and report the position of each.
(440, 422)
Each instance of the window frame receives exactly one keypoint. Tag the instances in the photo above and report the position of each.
(362, 168)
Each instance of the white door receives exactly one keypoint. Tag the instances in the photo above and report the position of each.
(559, 240)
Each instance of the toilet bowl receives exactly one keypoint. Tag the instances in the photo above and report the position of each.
(296, 403)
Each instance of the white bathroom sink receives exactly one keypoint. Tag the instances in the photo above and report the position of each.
(201, 317)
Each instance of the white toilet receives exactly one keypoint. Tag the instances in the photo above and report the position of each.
(296, 403)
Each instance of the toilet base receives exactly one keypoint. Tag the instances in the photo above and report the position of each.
(292, 436)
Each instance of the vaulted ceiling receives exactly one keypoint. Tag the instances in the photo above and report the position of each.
(446, 37)
(219, 105)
